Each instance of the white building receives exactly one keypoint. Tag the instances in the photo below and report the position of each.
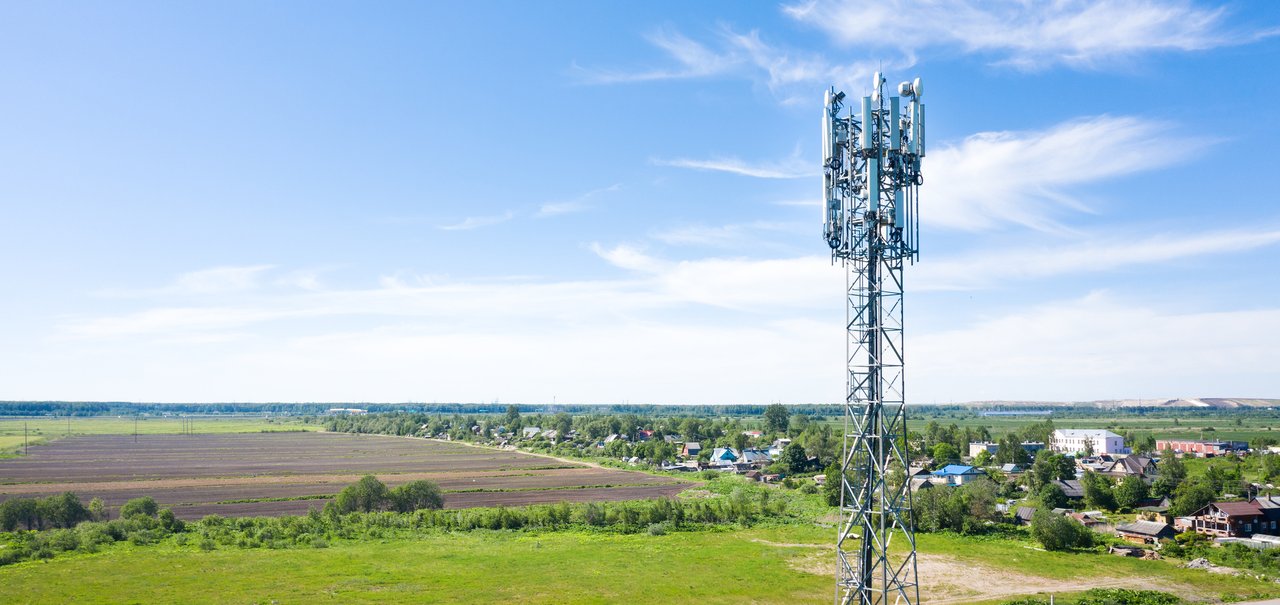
(1072, 441)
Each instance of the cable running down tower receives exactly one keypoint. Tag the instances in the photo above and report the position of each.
(870, 184)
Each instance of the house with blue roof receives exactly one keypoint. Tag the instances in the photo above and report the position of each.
(957, 474)
(723, 456)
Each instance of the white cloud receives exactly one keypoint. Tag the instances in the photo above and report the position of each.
(793, 167)
(1027, 35)
(577, 204)
(1000, 267)
(994, 178)
(701, 330)
(475, 222)
(1099, 347)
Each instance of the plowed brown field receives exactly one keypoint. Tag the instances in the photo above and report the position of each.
(287, 473)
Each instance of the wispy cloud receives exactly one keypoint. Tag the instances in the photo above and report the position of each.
(997, 178)
(577, 204)
(1028, 35)
(793, 167)
(475, 222)
(1001, 267)
(692, 60)
(787, 73)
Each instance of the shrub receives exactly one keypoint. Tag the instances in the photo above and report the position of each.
(170, 522)
(417, 495)
(366, 495)
(139, 507)
(1125, 596)
(1057, 532)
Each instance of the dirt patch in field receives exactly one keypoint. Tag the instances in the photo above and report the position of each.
(948, 581)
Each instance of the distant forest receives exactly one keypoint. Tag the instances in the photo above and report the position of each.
(819, 411)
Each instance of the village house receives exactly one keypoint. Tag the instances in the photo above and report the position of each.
(1024, 514)
(1132, 466)
(691, 449)
(957, 474)
(530, 432)
(1145, 532)
(755, 457)
(1071, 488)
(723, 456)
(1157, 510)
(1229, 520)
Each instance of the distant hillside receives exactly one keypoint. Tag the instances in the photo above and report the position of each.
(1202, 402)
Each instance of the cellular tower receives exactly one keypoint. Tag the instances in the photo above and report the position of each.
(870, 184)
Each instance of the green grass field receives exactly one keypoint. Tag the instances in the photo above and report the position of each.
(786, 564)
(477, 567)
(40, 430)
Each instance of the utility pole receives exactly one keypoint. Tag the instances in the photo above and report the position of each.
(24, 439)
(135, 428)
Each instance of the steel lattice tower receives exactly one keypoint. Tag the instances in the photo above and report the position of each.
(871, 178)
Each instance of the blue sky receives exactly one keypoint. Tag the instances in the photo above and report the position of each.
(606, 202)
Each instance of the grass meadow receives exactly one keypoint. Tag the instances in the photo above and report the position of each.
(779, 564)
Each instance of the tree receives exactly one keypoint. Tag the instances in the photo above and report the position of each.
(18, 511)
(1097, 491)
(795, 459)
(944, 453)
(170, 522)
(982, 459)
(776, 418)
(832, 486)
(1191, 496)
(145, 506)
(1170, 472)
(1130, 492)
(513, 417)
(1051, 496)
(1057, 532)
(965, 509)
(63, 510)
(1049, 467)
(1010, 450)
(367, 494)
(417, 495)
(740, 441)
(97, 510)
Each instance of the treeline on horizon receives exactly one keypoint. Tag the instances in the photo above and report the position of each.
(830, 411)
